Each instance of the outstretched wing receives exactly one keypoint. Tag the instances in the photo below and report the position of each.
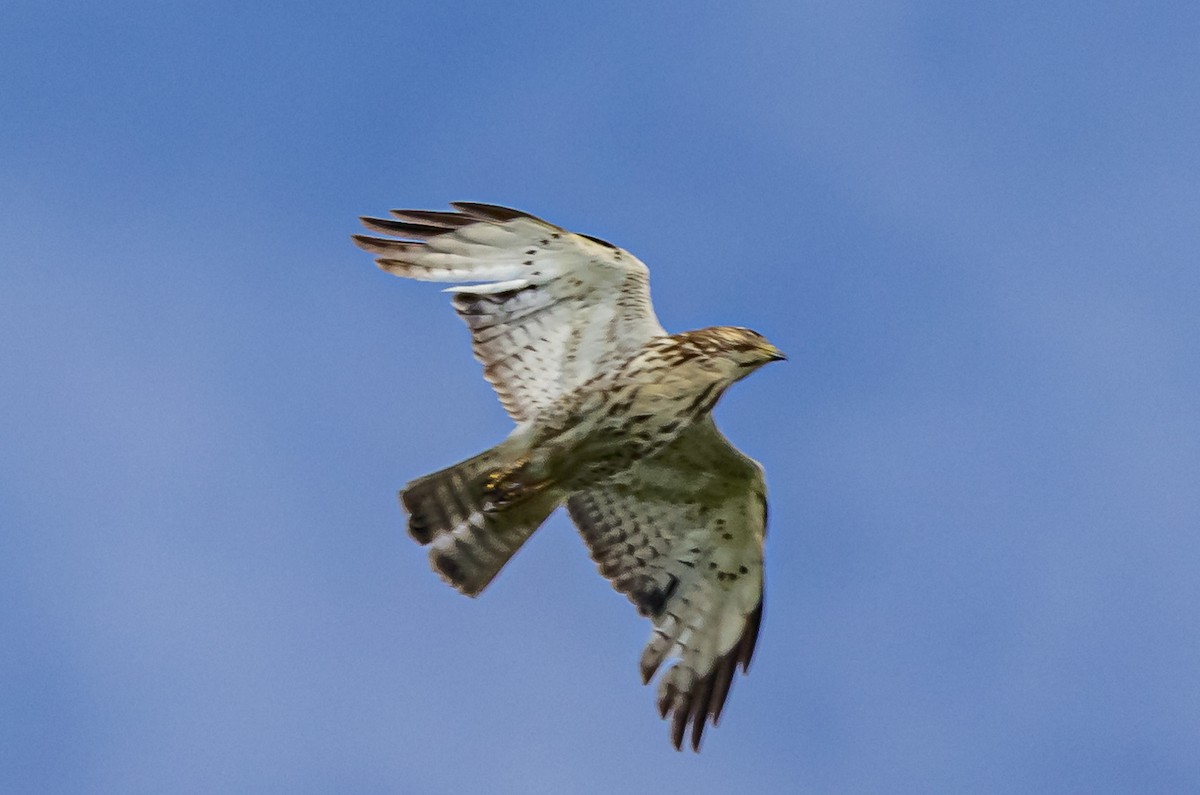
(682, 537)
(557, 308)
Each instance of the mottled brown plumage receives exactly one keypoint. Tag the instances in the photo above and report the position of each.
(613, 421)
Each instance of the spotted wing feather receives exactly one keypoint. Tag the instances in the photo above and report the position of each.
(682, 536)
(547, 308)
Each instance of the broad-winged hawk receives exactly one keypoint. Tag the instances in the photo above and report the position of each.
(613, 421)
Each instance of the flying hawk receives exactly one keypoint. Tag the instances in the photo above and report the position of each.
(613, 421)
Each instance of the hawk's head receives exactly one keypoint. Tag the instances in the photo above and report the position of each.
(742, 349)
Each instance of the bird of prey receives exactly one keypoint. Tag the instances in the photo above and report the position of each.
(613, 421)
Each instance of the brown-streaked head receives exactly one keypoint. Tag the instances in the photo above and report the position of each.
(745, 350)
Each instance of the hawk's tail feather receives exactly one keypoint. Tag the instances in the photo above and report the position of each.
(471, 538)
(439, 502)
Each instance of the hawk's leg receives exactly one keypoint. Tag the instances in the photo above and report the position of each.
(511, 485)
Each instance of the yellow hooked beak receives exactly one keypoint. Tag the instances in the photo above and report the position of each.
(773, 354)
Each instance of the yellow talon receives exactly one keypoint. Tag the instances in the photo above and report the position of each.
(504, 486)
(494, 479)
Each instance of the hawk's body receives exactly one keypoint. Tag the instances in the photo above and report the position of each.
(612, 421)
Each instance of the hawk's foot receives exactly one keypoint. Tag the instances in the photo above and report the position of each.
(510, 485)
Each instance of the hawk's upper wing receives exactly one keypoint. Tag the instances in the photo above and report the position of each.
(558, 307)
(682, 537)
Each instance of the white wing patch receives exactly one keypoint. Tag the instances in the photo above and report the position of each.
(555, 308)
(682, 536)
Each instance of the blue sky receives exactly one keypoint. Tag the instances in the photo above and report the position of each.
(973, 227)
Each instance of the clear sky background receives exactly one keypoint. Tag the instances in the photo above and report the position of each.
(974, 228)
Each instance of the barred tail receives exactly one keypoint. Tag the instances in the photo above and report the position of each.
(469, 545)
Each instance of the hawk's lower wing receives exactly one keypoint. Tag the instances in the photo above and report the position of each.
(682, 537)
(557, 308)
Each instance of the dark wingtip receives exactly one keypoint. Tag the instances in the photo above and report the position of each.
(434, 218)
(599, 241)
(664, 701)
(750, 637)
(491, 212)
(679, 722)
(722, 683)
(703, 702)
(700, 711)
(406, 229)
(382, 245)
